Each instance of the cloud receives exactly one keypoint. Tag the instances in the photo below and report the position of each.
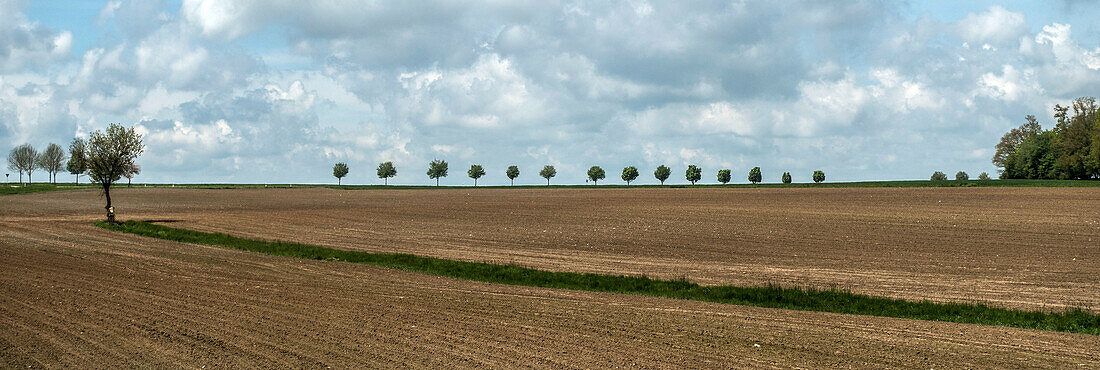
(277, 91)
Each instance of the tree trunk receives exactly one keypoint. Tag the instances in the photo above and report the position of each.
(475, 183)
(110, 210)
(339, 181)
(387, 180)
(436, 181)
(128, 181)
(547, 181)
(662, 182)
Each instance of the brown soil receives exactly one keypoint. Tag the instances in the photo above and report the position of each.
(75, 295)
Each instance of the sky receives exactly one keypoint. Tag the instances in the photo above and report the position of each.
(277, 92)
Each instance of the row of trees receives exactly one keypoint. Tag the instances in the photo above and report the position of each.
(106, 157)
(959, 176)
(1071, 150)
(25, 160)
(439, 168)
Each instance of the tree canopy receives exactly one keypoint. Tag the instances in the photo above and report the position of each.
(693, 173)
(755, 176)
(630, 173)
(596, 174)
(547, 173)
(724, 176)
(340, 170)
(437, 169)
(662, 173)
(385, 171)
(512, 173)
(52, 160)
(109, 154)
(475, 172)
(78, 158)
(819, 176)
(1071, 150)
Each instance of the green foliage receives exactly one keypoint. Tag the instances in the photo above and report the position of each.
(385, 171)
(819, 176)
(693, 173)
(437, 169)
(1035, 158)
(962, 176)
(596, 174)
(78, 158)
(806, 299)
(512, 173)
(786, 178)
(724, 176)
(475, 172)
(630, 174)
(340, 170)
(548, 172)
(1069, 151)
(939, 176)
(110, 155)
(755, 176)
(662, 173)
(983, 176)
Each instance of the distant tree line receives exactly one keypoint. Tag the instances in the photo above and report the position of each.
(1071, 150)
(438, 169)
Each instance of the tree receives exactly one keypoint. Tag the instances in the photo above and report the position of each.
(1035, 158)
(755, 176)
(983, 176)
(132, 169)
(693, 174)
(724, 176)
(1013, 138)
(109, 152)
(475, 172)
(786, 178)
(23, 159)
(1073, 141)
(340, 170)
(662, 173)
(547, 172)
(630, 174)
(962, 176)
(596, 174)
(819, 176)
(78, 158)
(51, 160)
(386, 170)
(437, 169)
(939, 176)
(512, 173)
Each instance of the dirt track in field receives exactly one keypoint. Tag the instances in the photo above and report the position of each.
(72, 294)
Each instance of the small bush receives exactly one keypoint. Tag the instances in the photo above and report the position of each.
(755, 176)
(962, 176)
(819, 176)
(939, 176)
(786, 177)
(983, 176)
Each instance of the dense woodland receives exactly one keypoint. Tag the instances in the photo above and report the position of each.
(1071, 150)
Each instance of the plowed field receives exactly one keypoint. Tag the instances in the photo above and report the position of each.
(72, 294)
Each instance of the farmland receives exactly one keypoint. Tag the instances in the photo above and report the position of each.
(77, 294)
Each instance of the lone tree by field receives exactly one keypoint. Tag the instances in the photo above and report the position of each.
(724, 176)
(475, 172)
(109, 152)
(786, 178)
(548, 172)
(693, 174)
(961, 176)
(386, 170)
(939, 176)
(23, 159)
(983, 176)
(512, 173)
(596, 174)
(755, 176)
(132, 169)
(630, 174)
(437, 169)
(819, 176)
(52, 161)
(340, 170)
(662, 173)
(78, 158)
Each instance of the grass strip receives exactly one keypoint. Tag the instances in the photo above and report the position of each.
(807, 299)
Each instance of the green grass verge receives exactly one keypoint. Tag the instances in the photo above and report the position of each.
(828, 300)
(35, 188)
